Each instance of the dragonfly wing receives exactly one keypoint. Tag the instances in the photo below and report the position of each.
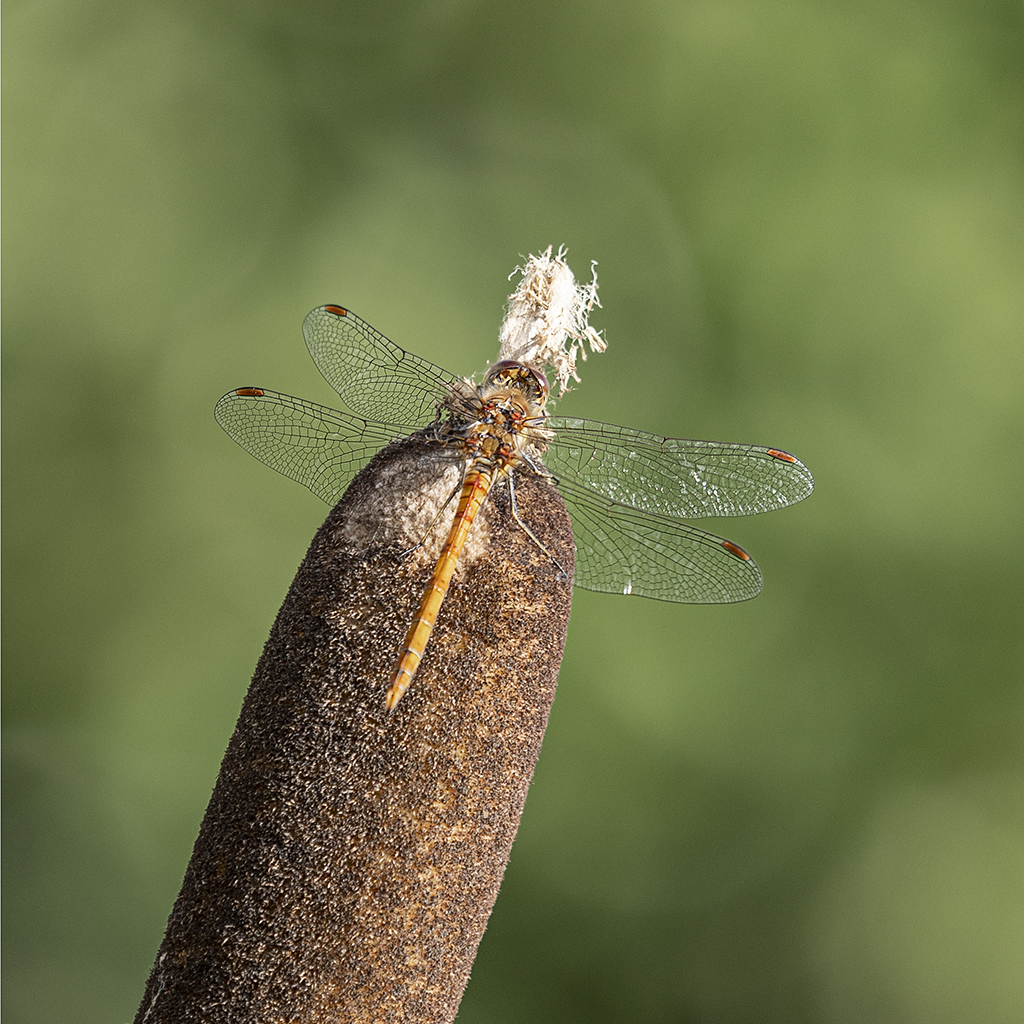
(320, 447)
(672, 476)
(623, 550)
(373, 375)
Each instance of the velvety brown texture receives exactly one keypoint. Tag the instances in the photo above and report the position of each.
(349, 859)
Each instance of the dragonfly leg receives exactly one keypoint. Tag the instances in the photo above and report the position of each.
(538, 467)
(434, 521)
(529, 533)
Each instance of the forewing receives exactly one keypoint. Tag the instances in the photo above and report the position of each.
(672, 476)
(621, 550)
(373, 375)
(320, 447)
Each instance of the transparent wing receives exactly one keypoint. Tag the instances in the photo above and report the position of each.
(622, 550)
(320, 447)
(672, 476)
(626, 490)
(373, 375)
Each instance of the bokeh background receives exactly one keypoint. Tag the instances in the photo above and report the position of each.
(809, 222)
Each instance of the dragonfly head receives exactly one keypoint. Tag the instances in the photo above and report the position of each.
(532, 383)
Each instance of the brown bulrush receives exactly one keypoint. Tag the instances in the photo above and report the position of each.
(349, 858)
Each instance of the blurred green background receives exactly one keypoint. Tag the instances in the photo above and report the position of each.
(809, 220)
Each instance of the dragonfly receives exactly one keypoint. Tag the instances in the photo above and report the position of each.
(627, 492)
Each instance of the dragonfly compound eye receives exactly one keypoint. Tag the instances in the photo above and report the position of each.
(530, 381)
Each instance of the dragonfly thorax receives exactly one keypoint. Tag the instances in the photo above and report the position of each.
(509, 415)
(496, 422)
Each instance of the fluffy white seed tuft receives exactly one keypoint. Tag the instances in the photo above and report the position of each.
(546, 323)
